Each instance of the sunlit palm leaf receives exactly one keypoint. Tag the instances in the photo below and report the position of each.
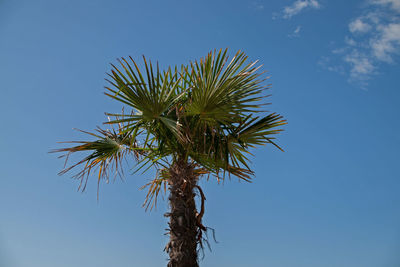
(224, 93)
(153, 95)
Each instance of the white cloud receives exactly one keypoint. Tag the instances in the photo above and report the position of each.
(358, 25)
(387, 42)
(298, 6)
(350, 41)
(394, 4)
(339, 50)
(361, 65)
(296, 32)
(374, 39)
(257, 6)
(325, 62)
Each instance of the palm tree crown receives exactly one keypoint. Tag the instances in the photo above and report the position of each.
(206, 114)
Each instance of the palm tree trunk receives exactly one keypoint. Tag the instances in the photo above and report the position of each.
(183, 226)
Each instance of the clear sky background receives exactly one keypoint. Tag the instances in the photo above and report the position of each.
(332, 199)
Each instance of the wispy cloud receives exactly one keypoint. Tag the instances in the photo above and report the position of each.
(374, 39)
(394, 4)
(358, 25)
(325, 62)
(257, 6)
(387, 42)
(296, 32)
(361, 64)
(298, 6)
(295, 8)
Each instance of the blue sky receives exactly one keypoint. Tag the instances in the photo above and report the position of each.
(331, 199)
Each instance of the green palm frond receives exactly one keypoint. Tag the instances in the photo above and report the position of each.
(226, 151)
(153, 96)
(223, 92)
(106, 154)
(255, 131)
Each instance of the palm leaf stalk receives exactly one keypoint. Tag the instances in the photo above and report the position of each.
(197, 120)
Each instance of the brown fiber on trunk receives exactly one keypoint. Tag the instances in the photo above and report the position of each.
(183, 225)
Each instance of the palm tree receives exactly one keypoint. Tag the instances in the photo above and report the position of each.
(197, 120)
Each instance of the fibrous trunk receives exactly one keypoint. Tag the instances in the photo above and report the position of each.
(183, 226)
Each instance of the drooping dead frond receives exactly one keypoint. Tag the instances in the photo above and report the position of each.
(155, 186)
